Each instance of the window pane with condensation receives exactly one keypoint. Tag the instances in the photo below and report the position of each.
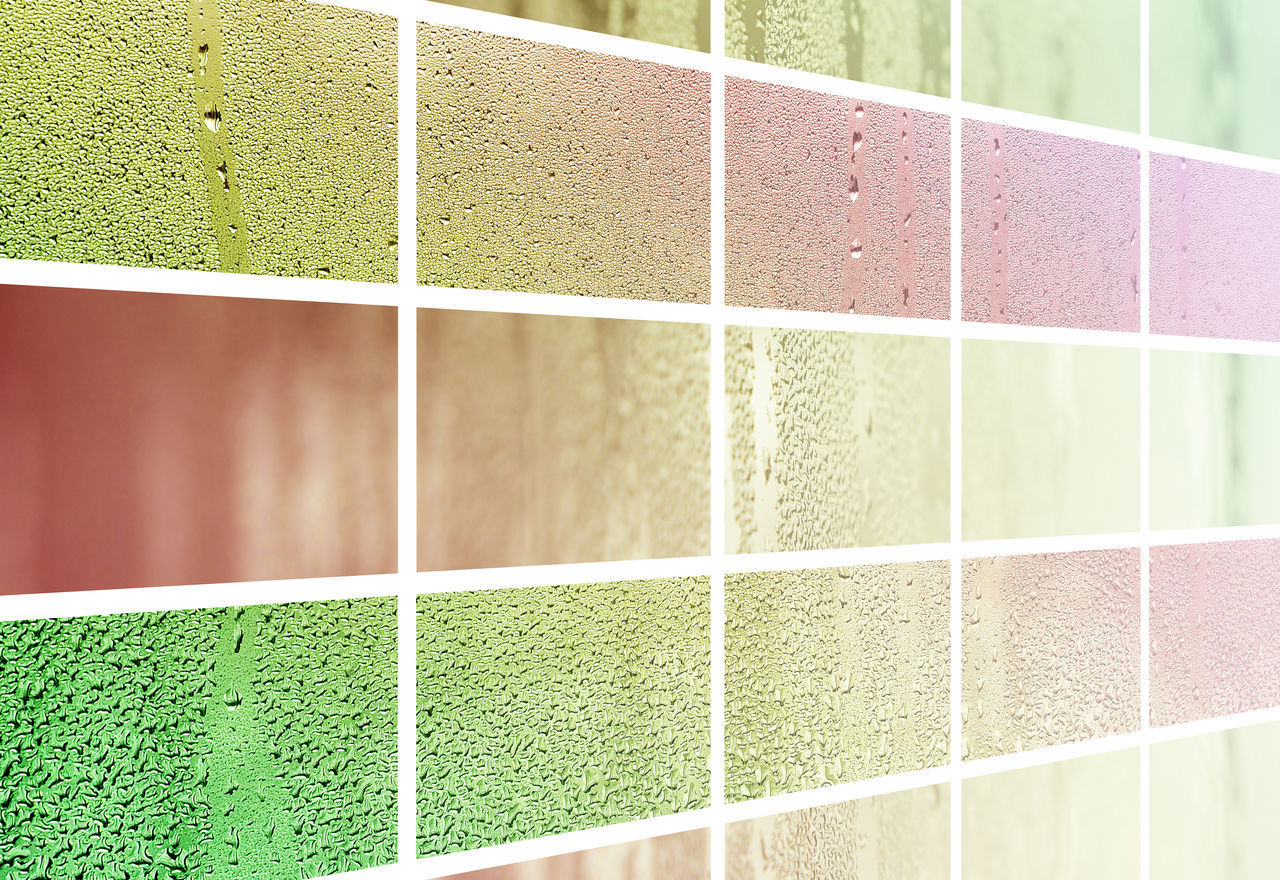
(1043, 243)
(1069, 820)
(243, 135)
(543, 710)
(1215, 805)
(1076, 61)
(1214, 424)
(547, 439)
(1215, 610)
(149, 439)
(905, 44)
(1051, 650)
(554, 170)
(1215, 250)
(1214, 77)
(834, 675)
(835, 439)
(834, 204)
(1050, 440)
(219, 742)
(889, 836)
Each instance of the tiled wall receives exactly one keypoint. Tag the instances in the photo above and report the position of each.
(639, 439)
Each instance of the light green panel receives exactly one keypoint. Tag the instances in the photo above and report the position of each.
(1214, 423)
(1215, 805)
(1214, 76)
(1076, 60)
(224, 743)
(243, 135)
(682, 23)
(1072, 820)
(834, 675)
(901, 43)
(1050, 440)
(543, 710)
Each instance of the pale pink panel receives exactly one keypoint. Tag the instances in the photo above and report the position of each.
(834, 204)
(1215, 250)
(1050, 235)
(1215, 629)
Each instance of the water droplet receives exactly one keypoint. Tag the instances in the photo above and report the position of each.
(213, 119)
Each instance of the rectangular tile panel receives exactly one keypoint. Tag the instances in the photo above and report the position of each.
(554, 170)
(1050, 440)
(835, 439)
(1043, 243)
(243, 135)
(834, 675)
(683, 856)
(1051, 649)
(150, 439)
(547, 439)
(543, 710)
(835, 204)
(1215, 609)
(228, 743)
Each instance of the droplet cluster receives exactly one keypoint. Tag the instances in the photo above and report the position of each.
(543, 710)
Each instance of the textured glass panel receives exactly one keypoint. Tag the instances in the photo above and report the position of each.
(1071, 820)
(901, 43)
(901, 835)
(1215, 805)
(1043, 243)
(148, 439)
(550, 709)
(1214, 428)
(223, 743)
(548, 439)
(243, 135)
(683, 856)
(554, 170)
(1215, 610)
(1214, 77)
(1076, 60)
(835, 439)
(1050, 440)
(834, 675)
(834, 204)
(1215, 250)
(685, 24)
(1051, 650)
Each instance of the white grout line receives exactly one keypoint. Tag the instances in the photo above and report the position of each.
(956, 824)
(407, 453)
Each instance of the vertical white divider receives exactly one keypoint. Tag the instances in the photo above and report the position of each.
(718, 441)
(957, 536)
(407, 394)
(1144, 437)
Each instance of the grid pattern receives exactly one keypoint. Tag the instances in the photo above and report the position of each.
(1108, 331)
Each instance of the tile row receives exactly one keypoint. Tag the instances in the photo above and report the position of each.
(241, 740)
(1213, 805)
(155, 439)
(548, 169)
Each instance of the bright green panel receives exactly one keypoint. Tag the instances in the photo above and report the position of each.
(1050, 440)
(550, 709)
(244, 135)
(1214, 77)
(1076, 61)
(1214, 424)
(901, 43)
(1215, 805)
(835, 675)
(222, 743)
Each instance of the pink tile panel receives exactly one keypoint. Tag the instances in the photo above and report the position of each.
(1215, 250)
(1215, 615)
(834, 204)
(1050, 234)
